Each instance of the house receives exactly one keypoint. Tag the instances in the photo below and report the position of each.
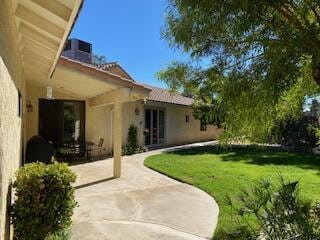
(65, 97)
(32, 37)
(105, 101)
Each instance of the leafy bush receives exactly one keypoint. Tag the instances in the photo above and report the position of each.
(44, 200)
(132, 146)
(61, 235)
(301, 134)
(132, 136)
(127, 150)
(279, 211)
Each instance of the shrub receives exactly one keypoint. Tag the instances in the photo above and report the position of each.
(279, 211)
(44, 200)
(61, 235)
(300, 134)
(132, 146)
(132, 138)
(127, 150)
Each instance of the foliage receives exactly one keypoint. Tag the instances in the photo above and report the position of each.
(279, 211)
(98, 60)
(252, 63)
(300, 134)
(132, 145)
(317, 131)
(132, 138)
(45, 200)
(127, 150)
(220, 171)
(61, 235)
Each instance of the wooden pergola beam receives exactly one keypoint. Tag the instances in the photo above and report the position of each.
(41, 50)
(40, 38)
(55, 7)
(38, 21)
(119, 95)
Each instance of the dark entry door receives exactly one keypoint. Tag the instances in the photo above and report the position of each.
(62, 121)
(51, 120)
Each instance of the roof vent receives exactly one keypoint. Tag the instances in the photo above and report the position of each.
(78, 50)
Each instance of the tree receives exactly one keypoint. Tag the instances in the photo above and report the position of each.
(264, 60)
(98, 60)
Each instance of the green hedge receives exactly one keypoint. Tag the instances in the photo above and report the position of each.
(44, 200)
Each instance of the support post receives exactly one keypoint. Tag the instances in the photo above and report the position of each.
(117, 139)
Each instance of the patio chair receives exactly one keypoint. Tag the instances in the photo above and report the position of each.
(96, 148)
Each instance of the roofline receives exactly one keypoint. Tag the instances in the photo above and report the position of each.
(116, 64)
(65, 38)
(125, 72)
(102, 74)
(178, 104)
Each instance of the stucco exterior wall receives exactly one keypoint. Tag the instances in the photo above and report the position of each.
(131, 117)
(99, 120)
(98, 125)
(11, 124)
(178, 131)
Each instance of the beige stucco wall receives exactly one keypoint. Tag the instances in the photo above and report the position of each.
(130, 117)
(177, 131)
(11, 125)
(98, 125)
(99, 120)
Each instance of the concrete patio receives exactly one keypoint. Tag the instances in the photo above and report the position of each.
(142, 204)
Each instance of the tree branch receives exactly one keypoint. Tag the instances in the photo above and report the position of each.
(241, 62)
(316, 14)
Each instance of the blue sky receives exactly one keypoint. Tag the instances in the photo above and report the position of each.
(128, 32)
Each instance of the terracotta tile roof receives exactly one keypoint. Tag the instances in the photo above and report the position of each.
(90, 69)
(164, 96)
(106, 66)
(113, 66)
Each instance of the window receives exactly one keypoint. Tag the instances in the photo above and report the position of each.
(203, 126)
(72, 120)
(187, 118)
(85, 47)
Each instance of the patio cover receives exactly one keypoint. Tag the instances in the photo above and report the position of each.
(99, 87)
(43, 27)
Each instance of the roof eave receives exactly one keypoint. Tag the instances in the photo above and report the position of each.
(74, 16)
(103, 74)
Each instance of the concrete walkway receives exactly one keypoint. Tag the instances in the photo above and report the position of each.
(142, 204)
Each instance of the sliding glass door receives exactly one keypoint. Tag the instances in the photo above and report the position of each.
(62, 121)
(72, 121)
(154, 127)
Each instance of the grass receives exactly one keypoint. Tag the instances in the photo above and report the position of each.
(226, 172)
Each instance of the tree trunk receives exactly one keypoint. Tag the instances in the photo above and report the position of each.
(316, 74)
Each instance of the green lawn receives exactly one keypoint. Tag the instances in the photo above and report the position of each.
(220, 172)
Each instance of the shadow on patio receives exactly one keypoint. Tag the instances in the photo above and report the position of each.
(92, 172)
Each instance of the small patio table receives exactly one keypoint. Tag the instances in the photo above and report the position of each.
(72, 149)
